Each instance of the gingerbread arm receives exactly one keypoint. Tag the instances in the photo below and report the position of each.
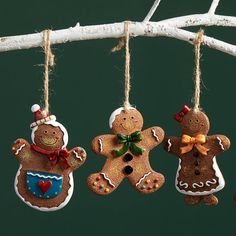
(102, 144)
(76, 157)
(22, 150)
(172, 145)
(151, 137)
(217, 144)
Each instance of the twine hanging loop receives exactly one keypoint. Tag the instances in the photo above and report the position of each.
(49, 62)
(197, 73)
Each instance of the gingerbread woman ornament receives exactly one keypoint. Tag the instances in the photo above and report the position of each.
(198, 175)
(44, 180)
(127, 154)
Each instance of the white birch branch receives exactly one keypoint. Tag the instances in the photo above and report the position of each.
(152, 11)
(164, 28)
(213, 6)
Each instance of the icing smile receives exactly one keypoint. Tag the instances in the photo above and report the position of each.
(50, 141)
(128, 125)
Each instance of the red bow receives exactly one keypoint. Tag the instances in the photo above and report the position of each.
(54, 157)
(180, 115)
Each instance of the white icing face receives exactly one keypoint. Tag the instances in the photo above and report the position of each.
(55, 124)
(115, 113)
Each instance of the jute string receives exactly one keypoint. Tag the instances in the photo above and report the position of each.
(197, 80)
(124, 41)
(49, 62)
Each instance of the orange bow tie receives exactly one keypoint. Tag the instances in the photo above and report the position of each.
(196, 142)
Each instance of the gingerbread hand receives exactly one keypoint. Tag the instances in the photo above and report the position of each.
(218, 143)
(172, 145)
(151, 137)
(77, 157)
(21, 149)
(101, 143)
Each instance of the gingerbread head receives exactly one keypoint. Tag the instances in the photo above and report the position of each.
(44, 180)
(127, 154)
(198, 175)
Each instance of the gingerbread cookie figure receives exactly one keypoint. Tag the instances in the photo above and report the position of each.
(198, 175)
(127, 154)
(44, 180)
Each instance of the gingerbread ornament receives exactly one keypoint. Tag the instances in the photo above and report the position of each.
(127, 148)
(198, 176)
(127, 154)
(44, 180)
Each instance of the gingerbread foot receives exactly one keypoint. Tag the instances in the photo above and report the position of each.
(210, 200)
(192, 200)
(101, 184)
(149, 182)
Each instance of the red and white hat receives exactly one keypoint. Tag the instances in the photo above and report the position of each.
(39, 116)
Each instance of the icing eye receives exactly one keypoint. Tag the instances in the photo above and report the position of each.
(124, 118)
(197, 120)
(132, 117)
(54, 132)
(45, 131)
(190, 120)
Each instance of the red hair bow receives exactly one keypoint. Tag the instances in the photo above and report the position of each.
(180, 115)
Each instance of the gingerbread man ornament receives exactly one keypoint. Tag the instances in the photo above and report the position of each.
(198, 175)
(44, 180)
(127, 154)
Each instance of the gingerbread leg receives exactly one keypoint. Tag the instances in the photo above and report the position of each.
(192, 200)
(210, 200)
(144, 179)
(105, 181)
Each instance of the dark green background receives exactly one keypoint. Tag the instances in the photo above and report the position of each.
(86, 86)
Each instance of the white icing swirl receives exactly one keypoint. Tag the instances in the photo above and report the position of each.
(155, 135)
(200, 185)
(220, 143)
(100, 145)
(77, 155)
(19, 149)
(106, 178)
(169, 145)
(141, 179)
(210, 182)
(182, 184)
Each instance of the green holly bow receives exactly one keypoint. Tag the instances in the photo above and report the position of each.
(129, 144)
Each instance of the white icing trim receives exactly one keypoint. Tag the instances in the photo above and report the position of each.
(169, 145)
(19, 149)
(213, 181)
(217, 173)
(115, 113)
(55, 124)
(200, 185)
(181, 183)
(143, 178)
(44, 176)
(106, 178)
(77, 156)
(70, 192)
(100, 145)
(155, 135)
(220, 143)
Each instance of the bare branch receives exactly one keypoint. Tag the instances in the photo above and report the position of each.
(213, 6)
(165, 28)
(152, 11)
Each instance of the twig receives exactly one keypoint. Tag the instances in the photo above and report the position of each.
(213, 6)
(152, 11)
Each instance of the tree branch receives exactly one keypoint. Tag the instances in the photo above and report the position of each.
(152, 11)
(213, 6)
(166, 28)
